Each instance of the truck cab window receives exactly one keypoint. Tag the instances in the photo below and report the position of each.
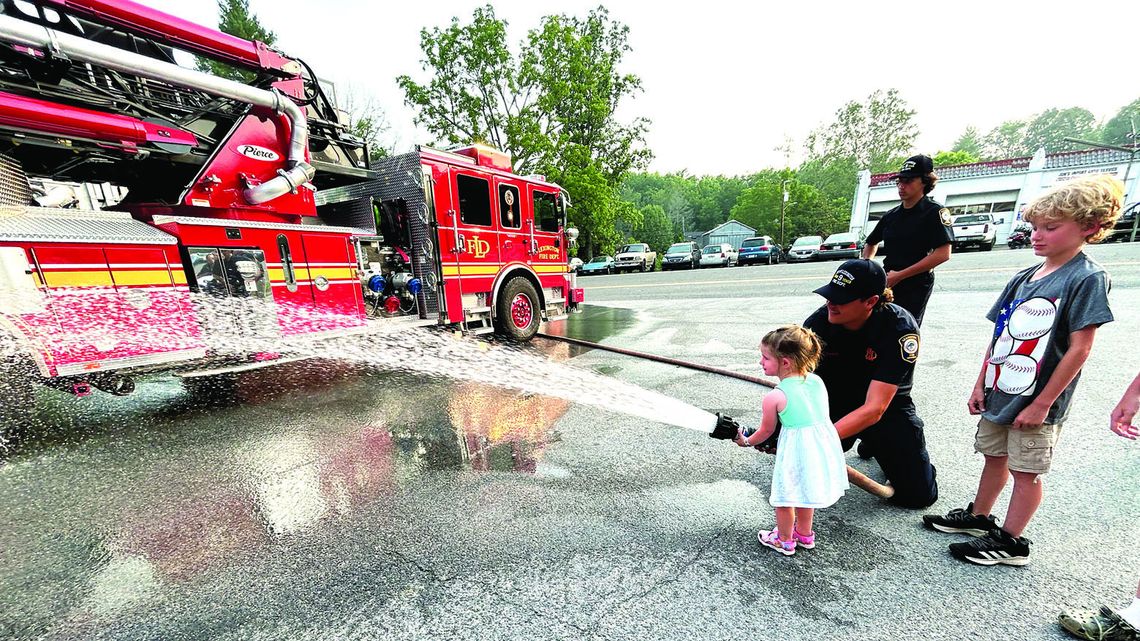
(546, 211)
(510, 209)
(474, 200)
(226, 272)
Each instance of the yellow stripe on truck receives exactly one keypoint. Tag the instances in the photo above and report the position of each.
(550, 269)
(78, 279)
(471, 270)
(333, 273)
(141, 277)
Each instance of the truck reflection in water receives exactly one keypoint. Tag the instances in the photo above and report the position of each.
(294, 480)
(180, 493)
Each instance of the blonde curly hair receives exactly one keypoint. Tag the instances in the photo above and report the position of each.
(798, 344)
(1093, 203)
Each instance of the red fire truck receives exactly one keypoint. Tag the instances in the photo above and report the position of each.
(231, 207)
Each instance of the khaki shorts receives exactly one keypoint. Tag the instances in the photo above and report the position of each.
(1028, 450)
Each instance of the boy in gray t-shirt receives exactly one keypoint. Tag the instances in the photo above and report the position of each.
(1044, 324)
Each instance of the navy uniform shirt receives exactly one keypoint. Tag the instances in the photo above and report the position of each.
(911, 234)
(884, 349)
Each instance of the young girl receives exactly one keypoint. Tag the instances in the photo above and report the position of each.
(810, 471)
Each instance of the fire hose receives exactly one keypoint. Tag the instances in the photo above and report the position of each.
(854, 476)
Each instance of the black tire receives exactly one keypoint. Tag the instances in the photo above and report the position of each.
(990, 246)
(609, 271)
(653, 266)
(518, 311)
(643, 270)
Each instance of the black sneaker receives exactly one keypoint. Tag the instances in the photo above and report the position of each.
(959, 521)
(996, 547)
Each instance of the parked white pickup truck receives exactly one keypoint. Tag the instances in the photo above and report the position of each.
(635, 256)
(977, 230)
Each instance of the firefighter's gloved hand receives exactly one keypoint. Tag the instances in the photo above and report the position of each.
(726, 428)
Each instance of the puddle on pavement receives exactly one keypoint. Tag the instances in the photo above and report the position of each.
(594, 323)
(163, 487)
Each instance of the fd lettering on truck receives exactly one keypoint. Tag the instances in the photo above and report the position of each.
(146, 208)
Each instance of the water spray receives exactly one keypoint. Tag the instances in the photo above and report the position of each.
(725, 427)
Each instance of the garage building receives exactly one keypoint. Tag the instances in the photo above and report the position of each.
(999, 187)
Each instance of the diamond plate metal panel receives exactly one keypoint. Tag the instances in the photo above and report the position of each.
(43, 224)
(14, 187)
(400, 177)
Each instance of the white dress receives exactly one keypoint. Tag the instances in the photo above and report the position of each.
(810, 470)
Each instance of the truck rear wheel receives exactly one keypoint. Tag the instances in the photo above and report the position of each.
(518, 311)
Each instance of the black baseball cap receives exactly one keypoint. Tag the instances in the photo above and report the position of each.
(919, 165)
(855, 279)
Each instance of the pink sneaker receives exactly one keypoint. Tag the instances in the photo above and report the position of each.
(772, 540)
(805, 541)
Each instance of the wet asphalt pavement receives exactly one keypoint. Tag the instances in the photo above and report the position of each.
(329, 503)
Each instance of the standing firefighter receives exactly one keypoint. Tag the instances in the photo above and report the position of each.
(917, 235)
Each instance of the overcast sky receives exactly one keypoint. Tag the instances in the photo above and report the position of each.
(726, 82)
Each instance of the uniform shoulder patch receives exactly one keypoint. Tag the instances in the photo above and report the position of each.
(908, 347)
(944, 214)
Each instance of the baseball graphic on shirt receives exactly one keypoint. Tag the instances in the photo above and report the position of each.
(1018, 374)
(1033, 318)
(1003, 347)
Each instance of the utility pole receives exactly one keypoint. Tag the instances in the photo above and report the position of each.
(783, 202)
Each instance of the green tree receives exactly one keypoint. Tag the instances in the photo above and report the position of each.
(970, 142)
(235, 19)
(943, 158)
(1007, 140)
(1120, 129)
(1050, 128)
(874, 133)
(835, 178)
(552, 107)
(367, 121)
(807, 212)
(655, 229)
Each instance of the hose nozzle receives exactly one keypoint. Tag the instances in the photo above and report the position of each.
(726, 428)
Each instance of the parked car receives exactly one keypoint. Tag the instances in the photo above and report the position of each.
(805, 248)
(760, 249)
(720, 254)
(1122, 231)
(843, 245)
(575, 264)
(598, 265)
(974, 230)
(681, 256)
(635, 256)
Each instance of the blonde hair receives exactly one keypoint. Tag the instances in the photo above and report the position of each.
(1093, 202)
(796, 343)
(888, 296)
